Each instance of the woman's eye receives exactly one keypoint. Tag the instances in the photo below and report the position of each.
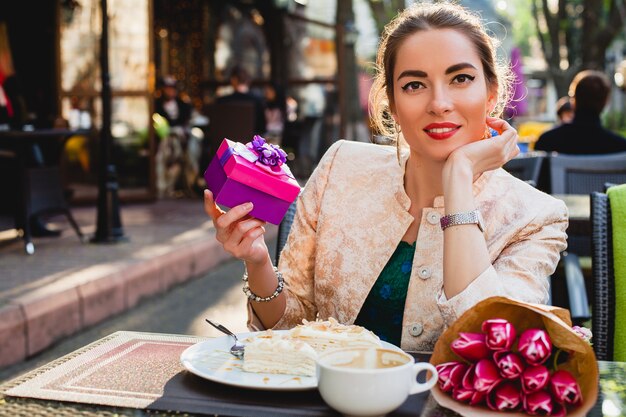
(463, 79)
(413, 85)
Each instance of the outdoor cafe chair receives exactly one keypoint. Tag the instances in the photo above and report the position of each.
(283, 229)
(607, 295)
(603, 277)
(526, 167)
(584, 174)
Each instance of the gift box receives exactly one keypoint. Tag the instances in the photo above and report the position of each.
(255, 173)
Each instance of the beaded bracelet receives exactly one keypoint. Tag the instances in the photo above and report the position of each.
(252, 296)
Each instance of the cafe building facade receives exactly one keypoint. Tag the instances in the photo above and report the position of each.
(54, 51)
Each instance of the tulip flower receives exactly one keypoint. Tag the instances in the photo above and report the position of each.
(468, 395)
(451, 374)
(503, 371)
(510, 364)
(504, 396)
(470, 346)
(534, 378)
(486, 375)
(565, 389)
(535, 346)
(500, 334)
(538, 403)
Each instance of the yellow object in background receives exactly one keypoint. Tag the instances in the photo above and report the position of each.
(76, 150)
(530, 131)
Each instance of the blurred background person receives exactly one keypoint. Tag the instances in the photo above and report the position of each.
(178, 152)
(171, 105)
(240, 80)
(564, 110)
(584, 135)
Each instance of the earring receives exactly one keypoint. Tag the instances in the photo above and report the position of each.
(487, 133)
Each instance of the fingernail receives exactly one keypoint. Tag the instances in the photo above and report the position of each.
(247, 206)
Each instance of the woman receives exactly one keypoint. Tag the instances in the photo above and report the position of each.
(367, 245)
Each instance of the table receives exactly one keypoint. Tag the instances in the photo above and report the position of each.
(39, 188)
(578, 206)
(140, 374)
(579, 230)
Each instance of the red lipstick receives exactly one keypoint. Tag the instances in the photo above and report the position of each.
(441, 131)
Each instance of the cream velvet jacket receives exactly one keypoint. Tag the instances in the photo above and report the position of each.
(351, 216)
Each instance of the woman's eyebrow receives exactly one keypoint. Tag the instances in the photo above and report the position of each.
(459, 67)
(450, 70)
(412, 73)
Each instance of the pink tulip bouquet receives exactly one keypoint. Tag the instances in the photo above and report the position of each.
(504, 355)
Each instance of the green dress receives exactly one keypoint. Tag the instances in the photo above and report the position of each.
(383, 308)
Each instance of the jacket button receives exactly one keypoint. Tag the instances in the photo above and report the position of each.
(424, 272)
(416, 329)
(433, 217)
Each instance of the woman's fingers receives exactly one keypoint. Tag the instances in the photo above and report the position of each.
(233, 215)
(245, 245)
(510, 148)
(236, 230)
(498, 124)
(508, 135)
(211, 209)
(241, 230)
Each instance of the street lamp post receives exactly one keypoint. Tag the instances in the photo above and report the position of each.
(347, 35)
(109, 226)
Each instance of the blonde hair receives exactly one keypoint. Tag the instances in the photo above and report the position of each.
(422, 17)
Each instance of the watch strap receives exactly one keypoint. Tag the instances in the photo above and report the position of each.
(467, 217)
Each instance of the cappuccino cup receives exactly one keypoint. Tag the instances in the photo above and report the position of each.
(367, 381)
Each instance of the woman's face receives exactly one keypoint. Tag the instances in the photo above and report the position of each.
(441, 97)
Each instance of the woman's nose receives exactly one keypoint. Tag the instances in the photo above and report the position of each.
(441, 102)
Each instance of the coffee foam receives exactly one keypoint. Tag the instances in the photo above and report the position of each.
(370, 358)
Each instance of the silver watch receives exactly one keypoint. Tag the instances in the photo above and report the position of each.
(468, 217)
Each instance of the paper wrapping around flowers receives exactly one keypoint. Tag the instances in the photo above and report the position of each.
(581, 363)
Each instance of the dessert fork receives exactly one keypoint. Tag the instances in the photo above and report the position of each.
(238, 348)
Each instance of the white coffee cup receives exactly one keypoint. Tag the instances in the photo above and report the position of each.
(367, 381)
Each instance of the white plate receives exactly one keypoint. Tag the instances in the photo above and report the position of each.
(211, 360)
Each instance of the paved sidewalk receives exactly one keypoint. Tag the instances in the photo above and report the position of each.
(68, 285)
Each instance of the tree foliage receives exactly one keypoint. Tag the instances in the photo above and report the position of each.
(522, 26)
(575, 34)
(384, 10)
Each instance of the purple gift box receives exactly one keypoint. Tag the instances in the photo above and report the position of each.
(255, 172)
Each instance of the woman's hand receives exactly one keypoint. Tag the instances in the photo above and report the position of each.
(488, 154)
(239, 234)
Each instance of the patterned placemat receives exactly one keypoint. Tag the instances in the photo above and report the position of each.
(142, 371)
(126, 369)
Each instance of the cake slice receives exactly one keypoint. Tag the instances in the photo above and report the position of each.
(272, 353)
(330, 334)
